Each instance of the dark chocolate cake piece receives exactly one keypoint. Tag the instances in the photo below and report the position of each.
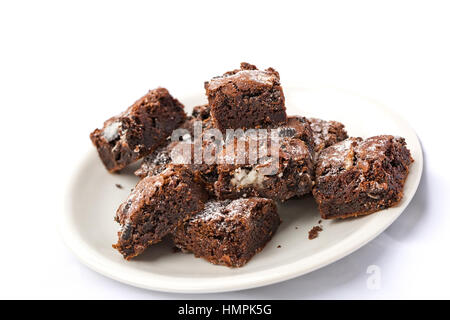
(229, 232)
(139, 130)
(357, 177)
(156, 206)
(246, 98)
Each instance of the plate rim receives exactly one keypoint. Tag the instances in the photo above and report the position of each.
(88, 257)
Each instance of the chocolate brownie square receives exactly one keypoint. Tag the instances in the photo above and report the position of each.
(246, 98)
(229, 232)
(155, 208)
(288, 175)
(139, 130)
(357, 177)
(326, 133)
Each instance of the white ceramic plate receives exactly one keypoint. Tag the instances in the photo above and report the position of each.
(89, 230)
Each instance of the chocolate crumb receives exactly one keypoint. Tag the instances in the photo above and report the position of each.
(175, 249)
(278, 246)
(314, 232)
(320, 221)
(296, 227)
(119, 186)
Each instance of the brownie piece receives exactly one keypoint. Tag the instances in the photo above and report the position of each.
(326, 133)
(246, 98)
(229, 232)
(159, 160)
(153, 166)
(155, 207)
(139, 130)
(357, 177)
(293, 176)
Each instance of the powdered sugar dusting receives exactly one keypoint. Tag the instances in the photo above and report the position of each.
(374, 147)
(320, 129)
(212, 211)
(296, 149)
(259, 76)
(337, 153)
(218, 210)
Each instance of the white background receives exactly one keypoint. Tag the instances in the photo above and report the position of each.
(65, 66)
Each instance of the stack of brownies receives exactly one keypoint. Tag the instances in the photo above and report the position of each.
(225, 210)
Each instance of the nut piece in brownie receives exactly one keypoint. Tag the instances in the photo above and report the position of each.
(326, 133)
(357, 177)
(246, 98)
(139, 130)
(229, 232)
(292, 172)
(155, 207)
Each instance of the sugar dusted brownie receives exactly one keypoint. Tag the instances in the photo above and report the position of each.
(246, 98)
(155, 207)
(357, 177)
(326, 133)
(229, 232)
(293, 175)
(139, 130)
